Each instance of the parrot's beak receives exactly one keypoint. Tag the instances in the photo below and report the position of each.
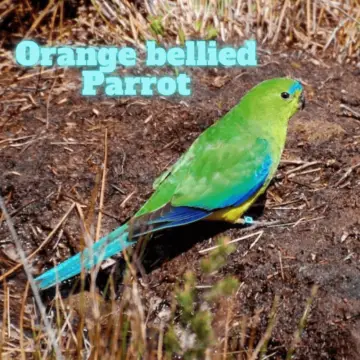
(302, 101)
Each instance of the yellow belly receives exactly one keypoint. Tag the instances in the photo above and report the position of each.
(232, 214)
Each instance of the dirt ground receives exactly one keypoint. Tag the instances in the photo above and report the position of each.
(318, 205)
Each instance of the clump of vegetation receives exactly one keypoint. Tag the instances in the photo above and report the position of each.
(195, 317)
(321, 27)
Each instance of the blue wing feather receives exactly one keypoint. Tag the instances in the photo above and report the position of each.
(181, 213)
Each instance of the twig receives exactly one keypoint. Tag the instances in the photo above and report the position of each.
(66, 322)
(260, 225)
(71, 143)
(347, 174)
(301, 167)
(34, 287)
(102, 192)
(306, 172)
(118, 189)
(281, 18)
(22, 207)
(254, 242)
(16, 139)
(293, 162)
(127, 199)
(302, 220)
(332, 36)
(285, 203)
(355, 114)
(281, 266)
(232, 241)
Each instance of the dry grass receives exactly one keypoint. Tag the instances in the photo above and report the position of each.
(92, 326)
(322, 27)
(315, 25)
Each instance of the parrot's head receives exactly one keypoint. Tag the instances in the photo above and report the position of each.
(277, 99)
(293, 94)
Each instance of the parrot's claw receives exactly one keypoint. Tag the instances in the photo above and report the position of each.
(248, 220)
(245, 220)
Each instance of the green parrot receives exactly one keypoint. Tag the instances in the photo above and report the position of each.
(219, 177)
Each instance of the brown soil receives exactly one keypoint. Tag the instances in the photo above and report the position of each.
(39, 177)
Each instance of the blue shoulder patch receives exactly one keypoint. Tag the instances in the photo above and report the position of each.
(296, 86)
(259, 179)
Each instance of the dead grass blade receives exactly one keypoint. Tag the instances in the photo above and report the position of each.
(49, 330)
(56, 228)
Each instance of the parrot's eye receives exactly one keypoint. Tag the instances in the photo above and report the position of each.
(285, 95)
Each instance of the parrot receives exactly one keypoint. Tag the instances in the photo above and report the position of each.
(218, 178)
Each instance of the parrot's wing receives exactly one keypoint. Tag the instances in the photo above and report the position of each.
(226, 175)
(167, 172)
(215, 176)
(162, 177)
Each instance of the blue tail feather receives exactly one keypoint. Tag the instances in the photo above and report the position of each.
(107, 246)
(117, 241)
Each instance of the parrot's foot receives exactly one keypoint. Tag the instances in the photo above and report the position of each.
(248, 220)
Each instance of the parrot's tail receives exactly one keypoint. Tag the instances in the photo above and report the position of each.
(107, 246)
(118, 240)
